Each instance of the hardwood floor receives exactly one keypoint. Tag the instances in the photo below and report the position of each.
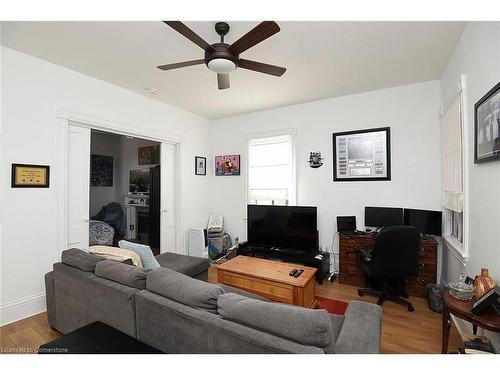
(402, 331)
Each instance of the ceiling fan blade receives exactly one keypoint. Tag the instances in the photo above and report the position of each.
(181, 64)
(259, 33)
(223, 81)
(190, 34)
(261, 67)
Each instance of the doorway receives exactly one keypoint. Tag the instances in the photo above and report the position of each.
(110, 173)
(124, 190)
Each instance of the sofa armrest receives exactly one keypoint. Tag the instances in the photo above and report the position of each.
(50, 299)
(362, 328)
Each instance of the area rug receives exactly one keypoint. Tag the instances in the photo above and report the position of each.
(331, 305)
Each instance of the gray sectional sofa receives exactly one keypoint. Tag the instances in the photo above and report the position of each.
(175, 312)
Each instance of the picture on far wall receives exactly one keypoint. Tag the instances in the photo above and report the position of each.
(200, 165)
(227, 165)
(487, 126)
(30, 176)
(148, 155)
(101, 170)
(362, 155)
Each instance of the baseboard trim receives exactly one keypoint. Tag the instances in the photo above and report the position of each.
(22, 308)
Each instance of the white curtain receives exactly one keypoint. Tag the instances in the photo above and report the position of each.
(452, 163)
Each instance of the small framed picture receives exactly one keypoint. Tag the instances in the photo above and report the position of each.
(487, 126)
(200, 166)
(30, 176)
(227, 165)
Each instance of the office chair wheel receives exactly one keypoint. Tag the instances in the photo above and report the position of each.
(410, 308)
(360, 293)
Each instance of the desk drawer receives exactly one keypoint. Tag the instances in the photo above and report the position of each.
(351, 275)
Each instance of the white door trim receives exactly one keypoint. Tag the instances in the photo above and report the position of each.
(65, 117)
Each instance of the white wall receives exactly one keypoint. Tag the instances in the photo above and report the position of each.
(108, 145)
(477, 55)
(411, 111)
(31, 89)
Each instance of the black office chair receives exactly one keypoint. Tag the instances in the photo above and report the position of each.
(394, 258)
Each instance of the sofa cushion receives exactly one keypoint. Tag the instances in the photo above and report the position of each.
(122, 273)
(80, 259)
(144, 251)
(188, 265)
(184, 289)
(299, 324)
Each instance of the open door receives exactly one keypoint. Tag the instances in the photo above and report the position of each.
(78, 182)
(167, 201)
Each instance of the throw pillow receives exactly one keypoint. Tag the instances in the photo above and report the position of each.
(144, 251)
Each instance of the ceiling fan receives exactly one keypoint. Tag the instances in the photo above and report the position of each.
(223, 58)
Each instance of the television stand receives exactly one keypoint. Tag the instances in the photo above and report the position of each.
(316, 259)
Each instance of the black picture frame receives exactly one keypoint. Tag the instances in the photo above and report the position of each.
(387, 177)
(481, 112)
(16, 168)
(196, 160)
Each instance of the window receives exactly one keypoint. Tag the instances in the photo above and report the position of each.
(453, 167)
(271, 175)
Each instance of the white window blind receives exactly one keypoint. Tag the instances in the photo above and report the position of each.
(452, 156)
(270, 175)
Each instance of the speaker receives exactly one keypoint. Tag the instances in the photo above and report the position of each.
(197, 243)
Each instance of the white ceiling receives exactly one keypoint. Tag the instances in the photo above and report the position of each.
(323, 59)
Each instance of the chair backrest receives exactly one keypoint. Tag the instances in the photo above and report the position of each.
(395, 254)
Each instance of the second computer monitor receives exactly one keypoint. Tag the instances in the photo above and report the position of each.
(383, 216)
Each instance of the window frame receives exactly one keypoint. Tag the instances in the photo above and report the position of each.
(292, 133)
(460, 249)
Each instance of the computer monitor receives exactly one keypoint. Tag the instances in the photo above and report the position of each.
(383, 216)
(427, 222)
(346, 224)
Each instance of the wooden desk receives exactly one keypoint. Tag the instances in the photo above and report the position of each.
(488, 320)
(269, 279)
(351, 273)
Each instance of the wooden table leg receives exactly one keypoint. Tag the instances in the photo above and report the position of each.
(445, 331)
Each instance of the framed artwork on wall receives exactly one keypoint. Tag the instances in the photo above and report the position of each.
(362, 155)
(200, 165)
(101, 171)
(227, 165)
(148, 155)
(487, 126)
(30, 176)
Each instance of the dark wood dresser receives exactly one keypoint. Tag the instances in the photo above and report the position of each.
(350, 273)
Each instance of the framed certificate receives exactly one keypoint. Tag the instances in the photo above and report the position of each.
(362, 155)
(30, 176)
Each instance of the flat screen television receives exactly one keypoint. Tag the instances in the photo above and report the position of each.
(139, 181)
(284, 227)
(427, 222)
(379, 217)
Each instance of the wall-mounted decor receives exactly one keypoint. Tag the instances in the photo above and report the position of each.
(148, 155)
(227, 165)
(315, 159)
(487, 126)
(30, 176)
(200, 165)
(362, 155)
(101, 170)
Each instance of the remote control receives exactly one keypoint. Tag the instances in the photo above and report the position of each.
(293, 272)
(298, 273)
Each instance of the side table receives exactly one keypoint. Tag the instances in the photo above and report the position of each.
(488, 320)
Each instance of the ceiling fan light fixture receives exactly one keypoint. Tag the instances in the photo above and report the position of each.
(221, 66)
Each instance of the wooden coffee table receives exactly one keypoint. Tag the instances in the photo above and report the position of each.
(269, 279)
